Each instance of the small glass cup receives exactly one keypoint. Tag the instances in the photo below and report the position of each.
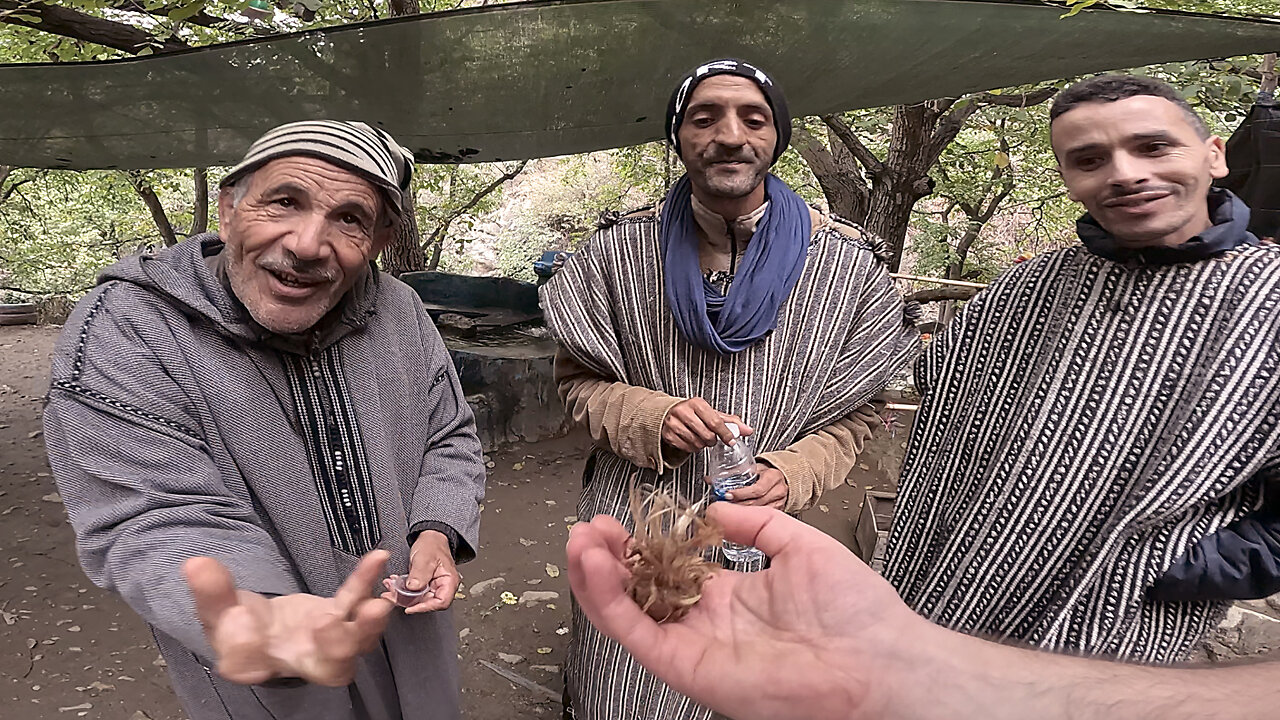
(404, 596)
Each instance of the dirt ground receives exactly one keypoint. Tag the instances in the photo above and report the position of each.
(71, 650)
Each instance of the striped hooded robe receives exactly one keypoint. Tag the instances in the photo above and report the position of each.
(1085, 422)
(840, 336)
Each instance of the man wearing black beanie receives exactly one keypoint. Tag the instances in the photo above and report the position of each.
(732, 304)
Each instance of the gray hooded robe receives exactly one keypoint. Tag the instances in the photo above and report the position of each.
(176, 426)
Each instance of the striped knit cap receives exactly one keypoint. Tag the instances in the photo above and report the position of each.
(366, 151)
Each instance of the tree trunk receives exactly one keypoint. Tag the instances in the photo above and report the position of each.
(436, 243)
(920, 133)
(152, 201)
(904, 178)
(837, 172)
(200, 206)
(405, 252)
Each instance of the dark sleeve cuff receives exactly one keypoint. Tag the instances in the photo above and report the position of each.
(458, 548)
(1239, 562)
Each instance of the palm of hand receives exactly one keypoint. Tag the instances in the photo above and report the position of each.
(306, 633)
(783, 639)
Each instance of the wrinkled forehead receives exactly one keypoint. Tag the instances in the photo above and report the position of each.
(318, 177)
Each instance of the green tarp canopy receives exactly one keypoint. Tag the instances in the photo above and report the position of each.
(551, 78)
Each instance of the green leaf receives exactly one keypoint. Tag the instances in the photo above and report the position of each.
(186, 11)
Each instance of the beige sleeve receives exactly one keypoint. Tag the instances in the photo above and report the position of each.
(627, 419)
(822, 460)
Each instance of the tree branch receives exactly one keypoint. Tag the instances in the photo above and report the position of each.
(861, 152)
(24, 291)
(436, 240)
(1021, 100)
(82, 26)
(950, 125)
(152, 201)
(202, 18)
(941, 294)
(5, 172)
(820, 159)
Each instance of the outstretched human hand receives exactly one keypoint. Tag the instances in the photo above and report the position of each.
(764, 645)
(318, 639)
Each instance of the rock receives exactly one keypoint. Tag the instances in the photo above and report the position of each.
(546, 668)
(52, 497)
(458, 325)
(533, 597)
(1244, 633)
(553, 571)
(511, 659)
(485, 585)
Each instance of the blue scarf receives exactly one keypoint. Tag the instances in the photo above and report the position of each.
(775, 257)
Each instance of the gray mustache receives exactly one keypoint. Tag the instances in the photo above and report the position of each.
(304, 271)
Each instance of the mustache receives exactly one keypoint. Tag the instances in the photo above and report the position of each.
(743, 155)
(304, 271)
(1123, 193)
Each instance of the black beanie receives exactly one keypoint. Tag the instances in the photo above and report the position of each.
(728, 66)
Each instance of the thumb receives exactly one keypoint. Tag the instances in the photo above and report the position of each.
(213, 588)
(762, 527)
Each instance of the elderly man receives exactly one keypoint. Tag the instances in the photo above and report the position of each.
(267, 399)
(1095, 462)
(734, 302)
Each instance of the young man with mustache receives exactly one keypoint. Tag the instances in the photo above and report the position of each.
(1094, 467)
(734, 302)
(266, 413)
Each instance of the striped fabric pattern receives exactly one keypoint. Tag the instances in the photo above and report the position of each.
(368, 151)
(840, 337)
(335, 449)
(1083, 424)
